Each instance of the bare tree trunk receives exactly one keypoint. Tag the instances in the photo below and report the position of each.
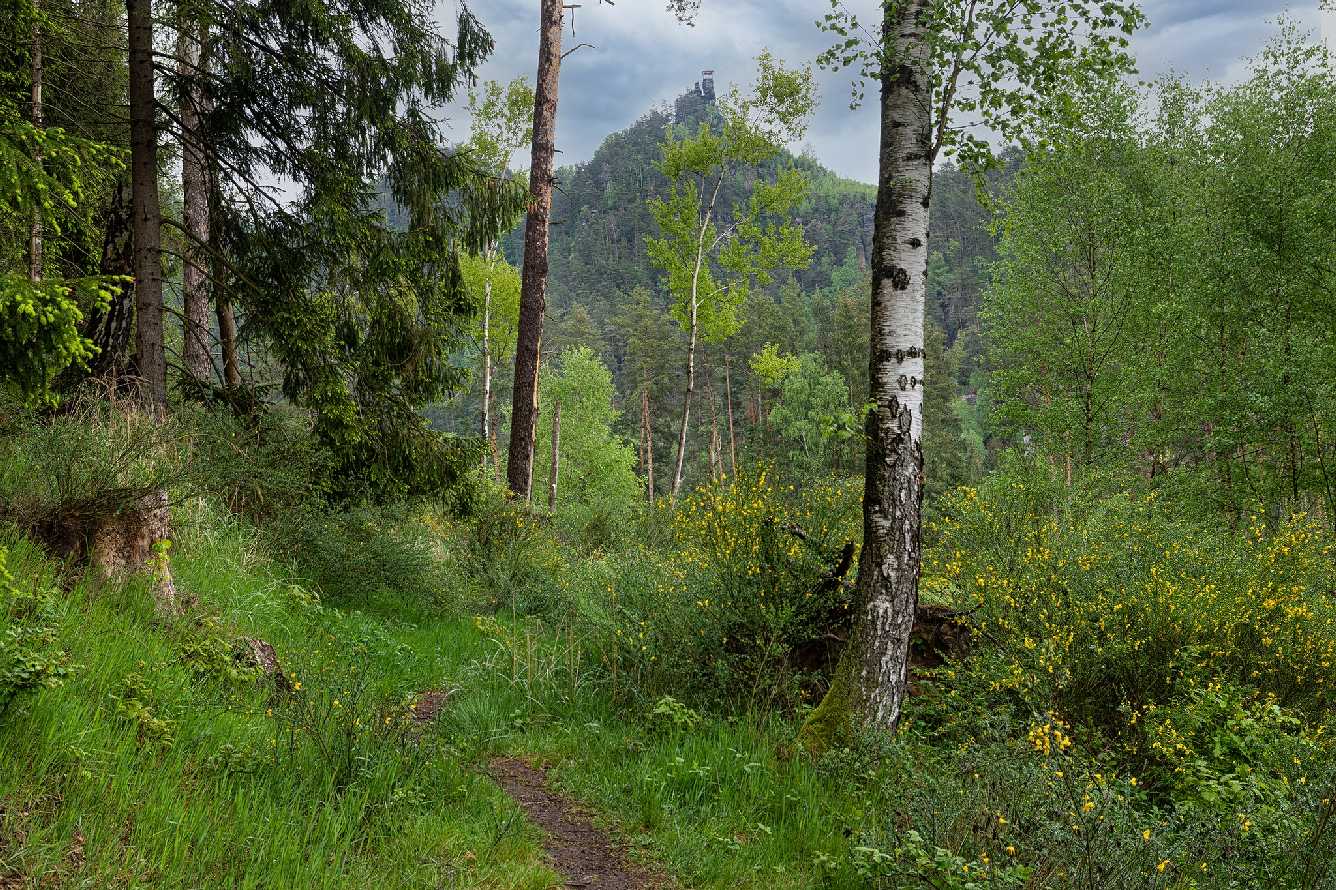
(716, 447)
(647, 440)
(871, 678)
(686, 404)
(227, 323)
(706, 216)
(150, 357)
(227, 336)
(533, 281)
(556, 457)
(486, 363)
(35, 231)
(195, 196)
(732, 440)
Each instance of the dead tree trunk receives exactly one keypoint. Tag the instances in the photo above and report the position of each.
(533, 278)
(150, 357)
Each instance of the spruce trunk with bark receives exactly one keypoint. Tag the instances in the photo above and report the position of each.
(195, 200)
(870, 685)
(146, 215)
(533, 275)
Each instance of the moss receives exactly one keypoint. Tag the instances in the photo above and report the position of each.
(831, 725)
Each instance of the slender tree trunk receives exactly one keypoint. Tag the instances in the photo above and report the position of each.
(150, 357)
(732, 440)
(195, 196)
(35, 230)
(556, 457)
(486, 362)
(227, 336)
(716, 445)
(222, 300)
(686, 403)
(871, 679)
(647, 440)
(706, 216)
(533, 280)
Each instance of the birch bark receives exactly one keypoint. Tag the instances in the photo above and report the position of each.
(888, 572)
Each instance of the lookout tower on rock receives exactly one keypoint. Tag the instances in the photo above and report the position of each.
(695, 103)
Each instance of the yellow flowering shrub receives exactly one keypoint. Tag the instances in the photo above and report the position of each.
(1202, 660)
(742, 599)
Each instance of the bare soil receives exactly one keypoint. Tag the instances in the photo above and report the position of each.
(578, 849)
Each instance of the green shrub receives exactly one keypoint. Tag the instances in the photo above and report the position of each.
(741, 609)
(95, 455)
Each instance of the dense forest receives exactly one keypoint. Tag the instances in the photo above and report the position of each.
(381, 501)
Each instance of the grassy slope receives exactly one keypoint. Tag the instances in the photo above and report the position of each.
(152, 767)
(219, 807)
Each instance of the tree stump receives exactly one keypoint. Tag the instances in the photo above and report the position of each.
(119, 535)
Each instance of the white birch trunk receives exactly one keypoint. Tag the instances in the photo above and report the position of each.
(706, 217)
(888, 574)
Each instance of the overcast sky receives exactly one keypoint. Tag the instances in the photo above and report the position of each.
(642, 56)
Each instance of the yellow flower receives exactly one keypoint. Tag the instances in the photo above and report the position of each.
(1145, 835)
(297, 686)
(1164, 863)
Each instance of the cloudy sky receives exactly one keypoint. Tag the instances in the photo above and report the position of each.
(642, 56)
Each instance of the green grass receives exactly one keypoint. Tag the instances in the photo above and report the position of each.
(230, 788)
(155, 766)
(160, 763)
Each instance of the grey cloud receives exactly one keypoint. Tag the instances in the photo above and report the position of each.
(642, 56)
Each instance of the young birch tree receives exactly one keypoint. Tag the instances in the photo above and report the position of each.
(711, 259)
(501, 126)
(941, 65)
(533, 294)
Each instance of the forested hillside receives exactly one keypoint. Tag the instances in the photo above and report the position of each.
(605, 295)
(383, 504)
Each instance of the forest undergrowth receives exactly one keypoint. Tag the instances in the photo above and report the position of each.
(1138, 701)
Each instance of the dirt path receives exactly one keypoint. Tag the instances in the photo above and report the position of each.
(577, 848)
